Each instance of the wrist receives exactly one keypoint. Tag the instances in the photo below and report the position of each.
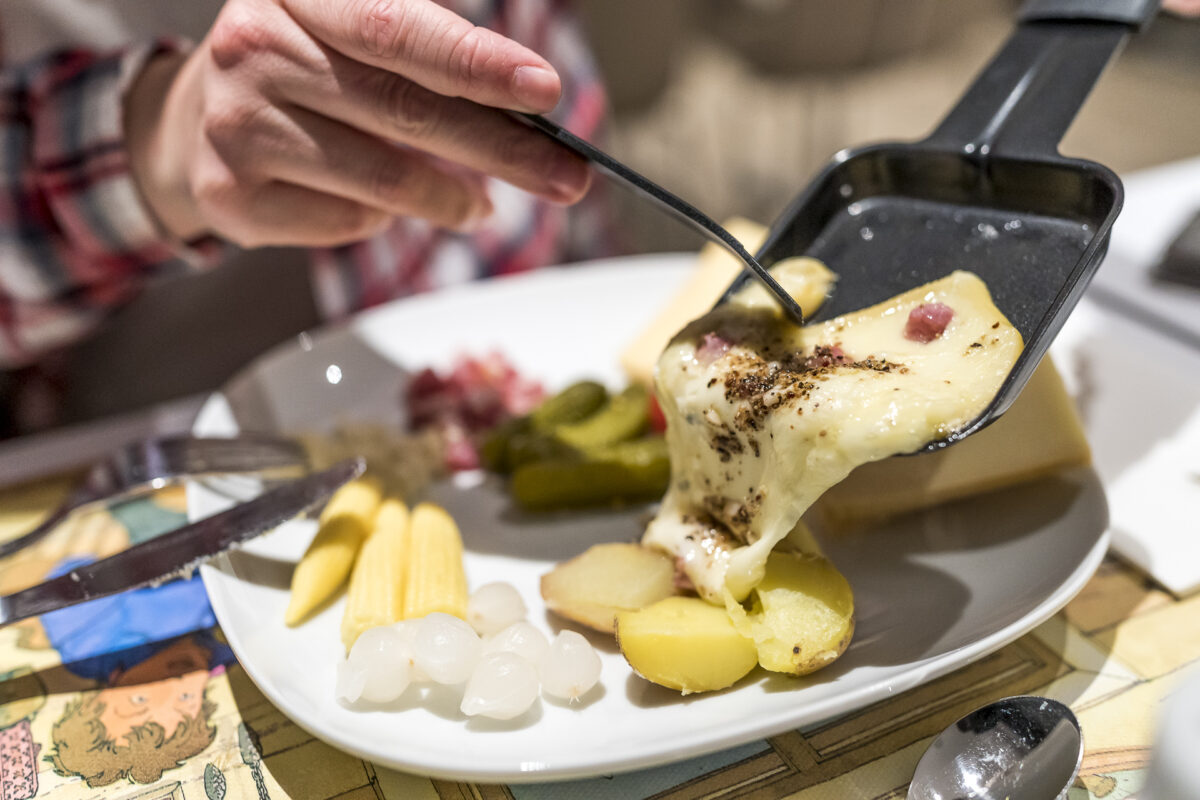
(159, 112)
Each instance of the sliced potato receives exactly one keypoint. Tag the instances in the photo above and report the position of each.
(606, 578)
(801, 616)
(685, 643)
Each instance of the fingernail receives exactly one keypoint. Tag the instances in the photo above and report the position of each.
(569, 177)
(536, 87)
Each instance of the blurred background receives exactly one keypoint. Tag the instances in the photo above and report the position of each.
(735, 104)
(732, 104)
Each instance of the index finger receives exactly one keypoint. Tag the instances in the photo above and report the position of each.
(434, 47)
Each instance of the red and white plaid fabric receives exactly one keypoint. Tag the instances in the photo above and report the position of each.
(76, 240)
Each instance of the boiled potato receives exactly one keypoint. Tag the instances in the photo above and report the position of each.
(800, 617)
(685, 643)
(606, 578)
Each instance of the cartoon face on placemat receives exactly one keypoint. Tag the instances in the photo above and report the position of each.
(129, 697)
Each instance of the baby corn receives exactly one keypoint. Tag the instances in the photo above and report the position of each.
(435, 580)
(344, 526)
(376, 594)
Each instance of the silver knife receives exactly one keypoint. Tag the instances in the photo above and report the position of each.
(180, 550)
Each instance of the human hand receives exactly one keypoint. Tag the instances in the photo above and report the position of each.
(1189, 8)
(315, 122)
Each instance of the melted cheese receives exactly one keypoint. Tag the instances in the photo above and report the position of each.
(758, 432)
(715, 270)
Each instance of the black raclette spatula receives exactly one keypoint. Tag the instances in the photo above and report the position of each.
(987, 192)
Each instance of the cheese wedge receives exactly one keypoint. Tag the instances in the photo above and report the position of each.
(1039, 435)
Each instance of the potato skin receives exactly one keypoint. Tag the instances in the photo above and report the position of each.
(607, 578)
(685, 643)
(800, 616)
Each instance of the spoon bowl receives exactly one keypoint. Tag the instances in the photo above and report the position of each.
(1018, 747)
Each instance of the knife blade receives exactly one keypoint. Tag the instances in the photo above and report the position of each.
(179, 550)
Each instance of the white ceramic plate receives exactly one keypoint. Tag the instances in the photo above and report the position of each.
(934, 591)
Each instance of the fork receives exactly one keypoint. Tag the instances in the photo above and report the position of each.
(683, 211)
(149, 465)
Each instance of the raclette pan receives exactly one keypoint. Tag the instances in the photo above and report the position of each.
(987, 192)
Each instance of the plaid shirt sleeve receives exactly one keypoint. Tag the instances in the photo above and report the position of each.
(76, 239)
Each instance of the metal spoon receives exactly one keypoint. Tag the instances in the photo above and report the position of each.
(1018, 748)
(679, 207)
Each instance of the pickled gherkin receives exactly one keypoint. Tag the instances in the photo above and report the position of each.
(628, 472)
(581, 448)
(493, 453)
(625, 416)
(529, 438)
(576, 402)
(529, 446)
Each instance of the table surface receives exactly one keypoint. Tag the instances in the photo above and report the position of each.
(1112, 655)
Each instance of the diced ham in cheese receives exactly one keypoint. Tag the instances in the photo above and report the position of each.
(711, 348)
(825, 356)
(927, 322)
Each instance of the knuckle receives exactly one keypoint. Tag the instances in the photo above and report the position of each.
(215, 191)
(237, 35)
(409, 109)
(519, 150)
(390, 182)
(231, 126)
(352, 222)
(446, 203)
(383, 31)
(470, 55)
(427, 194)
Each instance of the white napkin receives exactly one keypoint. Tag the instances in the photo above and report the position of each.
(1155, 510)
(1155, 500)
(1138, 393)
(1158, 204)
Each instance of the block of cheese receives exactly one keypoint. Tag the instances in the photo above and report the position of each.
(1039, 435)
(715, 269)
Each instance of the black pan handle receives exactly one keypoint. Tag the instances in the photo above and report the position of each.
(1136, 13)
(1026, 98)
